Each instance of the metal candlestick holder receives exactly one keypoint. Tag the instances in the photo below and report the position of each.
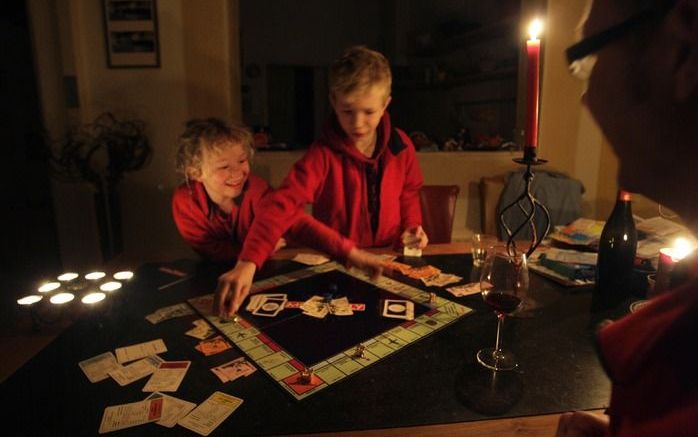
(528, 205)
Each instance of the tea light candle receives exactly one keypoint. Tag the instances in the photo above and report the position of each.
(668, 257)
(533, 83)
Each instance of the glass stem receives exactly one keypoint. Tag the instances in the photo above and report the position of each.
(500, 323)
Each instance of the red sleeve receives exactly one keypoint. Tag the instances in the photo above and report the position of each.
(279, 209)
(310, 232)
(192, 224)
(411, 211)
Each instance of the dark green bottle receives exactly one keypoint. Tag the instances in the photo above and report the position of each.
(617, 248)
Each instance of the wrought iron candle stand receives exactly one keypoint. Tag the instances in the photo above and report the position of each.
(528, 205)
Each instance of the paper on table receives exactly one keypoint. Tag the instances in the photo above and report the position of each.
(127, 415)
(141, 350)
(210, 413)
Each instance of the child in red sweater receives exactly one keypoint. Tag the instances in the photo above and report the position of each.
(362, 176)
(216, 206)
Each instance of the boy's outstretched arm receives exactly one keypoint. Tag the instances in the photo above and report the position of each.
(233, 287)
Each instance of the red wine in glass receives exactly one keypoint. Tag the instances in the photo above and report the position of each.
(502, 302)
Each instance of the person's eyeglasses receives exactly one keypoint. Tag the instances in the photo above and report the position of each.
(581, 57)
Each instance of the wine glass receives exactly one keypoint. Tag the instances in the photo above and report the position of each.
(503, 282)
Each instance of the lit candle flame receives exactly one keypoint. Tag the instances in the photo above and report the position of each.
(535, 29)
(682, 248)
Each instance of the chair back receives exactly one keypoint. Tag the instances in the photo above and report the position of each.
(438, 204)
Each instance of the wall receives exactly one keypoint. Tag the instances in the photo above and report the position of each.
(198, 76)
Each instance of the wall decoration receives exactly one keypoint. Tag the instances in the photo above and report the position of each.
(131, 31)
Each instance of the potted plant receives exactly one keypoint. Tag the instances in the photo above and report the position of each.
(100, 153)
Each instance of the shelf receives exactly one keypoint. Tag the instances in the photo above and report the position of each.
(506, 28)
(459, 81)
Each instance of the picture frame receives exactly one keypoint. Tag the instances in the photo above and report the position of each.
(131, 33)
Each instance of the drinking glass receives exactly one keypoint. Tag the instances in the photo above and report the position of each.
(480, 244)
(503, 282)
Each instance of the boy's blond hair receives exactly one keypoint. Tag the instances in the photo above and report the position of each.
(358, 69)
(212, 134)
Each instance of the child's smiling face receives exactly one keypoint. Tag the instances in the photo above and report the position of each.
(224, 172)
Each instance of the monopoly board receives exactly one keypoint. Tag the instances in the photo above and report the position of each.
(334, 347)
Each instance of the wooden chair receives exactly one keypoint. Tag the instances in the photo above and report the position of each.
(491, 188)
(438, 204)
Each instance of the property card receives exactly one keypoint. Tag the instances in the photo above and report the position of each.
(136, 370)
(411, 251)
(212, 346)
(141, 350)
(173, 409)
(210, 413)
(127, 415)
(167, 376)
(465, 290)
(201, 330)
(170, 312)
(97, 368)
(234, 369)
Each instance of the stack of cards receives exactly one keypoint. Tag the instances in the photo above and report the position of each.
(310, 259)
(234, 369)
(97, 368)
(398, 309)
(124, 375)
(170, 312)
(441, 280)
(315, 307)
(212, 346)
(318, 307)
(266, 305)
(201, 330)
(411, 251)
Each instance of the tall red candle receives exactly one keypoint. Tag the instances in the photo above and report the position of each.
(533, 78)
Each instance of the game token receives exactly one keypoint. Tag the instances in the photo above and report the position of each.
(306, 376)
(360, 351)
(432, 297)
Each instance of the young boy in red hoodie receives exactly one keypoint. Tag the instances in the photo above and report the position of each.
(216, 206)
(362, 176)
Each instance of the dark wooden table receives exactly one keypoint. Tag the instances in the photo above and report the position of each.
(433, 381)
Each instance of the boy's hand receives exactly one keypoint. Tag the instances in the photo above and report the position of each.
(371, 264)
(233, 287)
(581, 424)
(280, 245)
(415, 238)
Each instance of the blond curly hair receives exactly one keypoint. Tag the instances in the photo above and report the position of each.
(211, 134)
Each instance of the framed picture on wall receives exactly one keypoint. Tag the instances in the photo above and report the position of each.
(131, 31)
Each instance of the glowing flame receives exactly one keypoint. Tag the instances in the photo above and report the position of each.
(535, 28)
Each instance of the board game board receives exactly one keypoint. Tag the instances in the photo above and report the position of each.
(328, 346)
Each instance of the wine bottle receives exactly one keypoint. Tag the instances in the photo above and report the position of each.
(617, 247)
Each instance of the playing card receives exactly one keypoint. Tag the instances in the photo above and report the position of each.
(398, 309)
(201, 330)
(127, 415)
(234, 369)
(270, 307)
(173, 409)
(141, 350)
(98, 367)
(213, 345)
(210, 413)
(168, 376)
(465, 290)
(340, 307)
(411, 251)
(169, 312)
(125, 375)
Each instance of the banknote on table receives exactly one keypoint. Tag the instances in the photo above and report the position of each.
(170, 312)
(310, 259)
(233, 370)
(168, 376)
(210, 413)
(125, 375)
(465, 290)
(141, 350)
(441, 280)
(173, 409)
(123, 416)
(98, 367)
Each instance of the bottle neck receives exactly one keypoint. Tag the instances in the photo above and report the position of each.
(624, 196)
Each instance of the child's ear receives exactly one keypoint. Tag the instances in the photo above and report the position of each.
(684, 22)
(194, 174)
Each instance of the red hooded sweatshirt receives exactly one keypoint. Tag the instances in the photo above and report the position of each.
(651, 357)
(332, 176)
(218, 236)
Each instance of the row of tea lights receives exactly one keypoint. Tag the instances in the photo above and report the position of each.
(71, 282)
